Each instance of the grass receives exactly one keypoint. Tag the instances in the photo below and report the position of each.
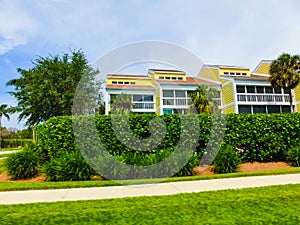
(13, 186)
(264, 205)
(9, 149)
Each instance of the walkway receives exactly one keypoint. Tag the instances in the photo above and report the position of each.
(15, 197)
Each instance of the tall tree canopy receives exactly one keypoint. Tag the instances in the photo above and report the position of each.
(204, 100)
(284, 73)
(48, 88)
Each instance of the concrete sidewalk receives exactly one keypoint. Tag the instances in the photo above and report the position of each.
(31, 196)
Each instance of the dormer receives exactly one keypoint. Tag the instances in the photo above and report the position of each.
(165, 74)
(233, 71)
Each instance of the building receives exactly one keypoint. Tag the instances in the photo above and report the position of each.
(160, 91)
(167, 91)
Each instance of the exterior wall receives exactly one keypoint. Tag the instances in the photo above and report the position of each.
(228, 110)
(228, 94)
(263, 68)
(210, 74)
(297, 98)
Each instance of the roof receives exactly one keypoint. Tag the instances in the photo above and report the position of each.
(252, 76)
(189, 80)
(128, 86)
(166, 71)
(146, 77)
(225, 66)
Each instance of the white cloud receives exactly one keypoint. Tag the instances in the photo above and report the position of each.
(16, 26)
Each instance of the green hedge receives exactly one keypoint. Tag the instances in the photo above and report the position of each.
(259, 137)
(15, 143)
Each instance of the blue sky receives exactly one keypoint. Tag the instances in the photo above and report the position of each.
(220, 32)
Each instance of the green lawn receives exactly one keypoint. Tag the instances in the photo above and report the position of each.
(12, 186)
(264, 205)
(9, 149)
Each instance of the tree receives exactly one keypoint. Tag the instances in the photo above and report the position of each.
(204, 100)
(48, 88)
(121, 104)
(4, 111)
(284, 73)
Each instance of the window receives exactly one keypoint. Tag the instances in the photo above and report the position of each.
(259, 109)
(174, 78)
(273, 108)
(286, 109)
(180, 78)
(126, 82)
(238, 74)
(168, 78)
(240, 89)
(161, 78)
(260, 89)
(142, 98)
(231, 73)
(250, 89)
(244, 74)
(285, 90)
(132, 82)
(114, 82)
(120, 82)
(148, 98)
(180, 94)
(168, 93)
(245, 109)
(226, 73)
(269, 90)
(137, 98)
(277, 91)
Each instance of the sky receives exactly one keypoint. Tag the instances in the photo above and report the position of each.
(231, 32)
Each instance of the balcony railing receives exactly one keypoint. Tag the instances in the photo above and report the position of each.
(183, 101)
(263, 98)
(143, 105)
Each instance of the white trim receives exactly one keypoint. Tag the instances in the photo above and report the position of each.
(213, 81)
(261, 62)
(261, 74)
(228, 105)
(227, 83)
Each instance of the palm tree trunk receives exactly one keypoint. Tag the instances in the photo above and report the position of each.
(291, 101)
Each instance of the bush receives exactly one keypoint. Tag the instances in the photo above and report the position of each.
(293, 156)
(68, 167)
(23, 164)
(227, 160)
(15, 143)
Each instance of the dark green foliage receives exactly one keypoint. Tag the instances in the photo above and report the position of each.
(48, 88)
(15, 143)
(258, 137)
(227, 160)
(68, 167)
(293, 156)
(23, 164)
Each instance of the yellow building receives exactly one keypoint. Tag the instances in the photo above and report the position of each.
(160, 91)
(167, 91)
(248, 92)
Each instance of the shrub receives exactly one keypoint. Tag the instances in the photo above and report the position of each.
(293, 156)
(68, 167)
(227, 160)
(15, 143)
(23, 164)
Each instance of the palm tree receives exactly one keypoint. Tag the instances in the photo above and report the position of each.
(121, 104)
(284, 73)
(204, 100)
(4, 111)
